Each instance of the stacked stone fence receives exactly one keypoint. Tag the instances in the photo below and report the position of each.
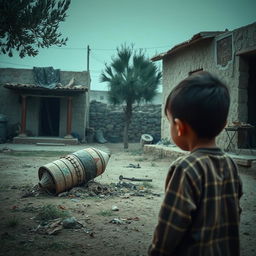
(146, 119)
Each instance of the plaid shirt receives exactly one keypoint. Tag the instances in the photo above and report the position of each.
(200, 213)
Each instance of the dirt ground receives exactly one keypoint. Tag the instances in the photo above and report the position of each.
(97, 228)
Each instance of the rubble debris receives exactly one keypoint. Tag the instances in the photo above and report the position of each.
(87, 231)
(117, 221)
(52, 227)
(99, 189)
(133, 166)
(33, 192)
(121, 221)
(95, 189)
(133, 218)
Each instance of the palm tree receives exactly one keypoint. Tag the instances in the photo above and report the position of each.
(131, 78)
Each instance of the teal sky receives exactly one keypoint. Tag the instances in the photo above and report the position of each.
(154, 25)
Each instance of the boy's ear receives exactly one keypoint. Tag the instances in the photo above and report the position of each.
(180, 126)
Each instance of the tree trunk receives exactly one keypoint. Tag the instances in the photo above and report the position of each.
(128, 116)
(126, 129)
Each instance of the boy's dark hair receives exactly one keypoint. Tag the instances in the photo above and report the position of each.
(202, 101)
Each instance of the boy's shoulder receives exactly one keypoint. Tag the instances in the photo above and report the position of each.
(201, 163)
(200, 156)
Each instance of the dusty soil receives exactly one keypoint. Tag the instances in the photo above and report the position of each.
(99, 230)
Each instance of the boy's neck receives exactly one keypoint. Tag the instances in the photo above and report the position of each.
(201, 143)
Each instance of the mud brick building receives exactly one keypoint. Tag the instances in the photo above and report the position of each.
(54, 111)
(231, 55)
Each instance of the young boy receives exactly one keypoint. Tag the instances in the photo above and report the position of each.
(200, 212)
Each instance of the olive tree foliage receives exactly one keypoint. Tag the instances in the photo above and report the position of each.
(26, 25)
(131, 78)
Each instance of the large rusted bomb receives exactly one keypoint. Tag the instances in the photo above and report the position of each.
(72, 170)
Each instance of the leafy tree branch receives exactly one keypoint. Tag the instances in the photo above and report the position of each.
(26, 25)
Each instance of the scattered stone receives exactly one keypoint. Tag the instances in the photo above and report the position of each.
(115, 208)
(138, 194)
(133, 218)
(117, 221)
(126, 196)
(87, 231)
(120, 221)
(71, 223)
(156, 194)
(133, 166)
(91, 234)
(75, 200)
(62, 207)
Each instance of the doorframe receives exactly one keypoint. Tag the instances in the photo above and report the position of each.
(39, 114)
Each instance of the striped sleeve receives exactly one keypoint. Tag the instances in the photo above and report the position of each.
(175, 214)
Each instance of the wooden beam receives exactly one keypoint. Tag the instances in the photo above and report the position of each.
(69, 117)
(247, 51)
(23, 115)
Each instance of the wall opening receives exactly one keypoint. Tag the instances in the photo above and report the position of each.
(49, 117)
(251, 104)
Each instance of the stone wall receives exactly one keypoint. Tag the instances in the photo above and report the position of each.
(110, 119)
(102, 96)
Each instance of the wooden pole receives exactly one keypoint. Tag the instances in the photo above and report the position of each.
(23, 115)
(88, 58)
(69, 117)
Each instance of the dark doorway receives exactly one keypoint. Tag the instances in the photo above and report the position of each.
(252, 99)
(49, 117)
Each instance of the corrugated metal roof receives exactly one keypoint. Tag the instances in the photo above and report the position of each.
(196, 38)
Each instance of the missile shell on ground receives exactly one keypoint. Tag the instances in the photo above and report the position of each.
(72, 170)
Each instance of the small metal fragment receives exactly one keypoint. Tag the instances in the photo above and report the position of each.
(121, 177)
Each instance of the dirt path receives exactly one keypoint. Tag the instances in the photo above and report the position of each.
(98, 230)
